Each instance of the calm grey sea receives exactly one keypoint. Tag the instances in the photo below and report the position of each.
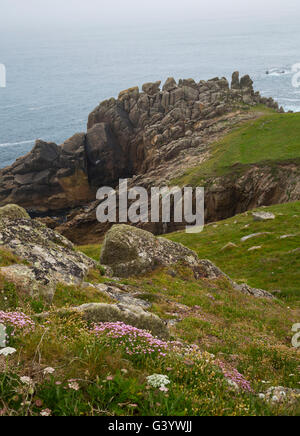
(56, 77)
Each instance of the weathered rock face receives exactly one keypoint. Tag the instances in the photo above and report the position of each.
(51, 257)
(49, 177)
(250, 188)
(225, 196)
(136, 134)
(106, 161)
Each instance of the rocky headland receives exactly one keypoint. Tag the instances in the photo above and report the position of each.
(150, 137)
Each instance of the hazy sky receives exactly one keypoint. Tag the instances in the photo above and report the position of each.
(37, 13)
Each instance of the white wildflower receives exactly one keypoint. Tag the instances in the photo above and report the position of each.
(158, 380)
(26, 380)
(45, 412)
(74, 385)
(7, 351)
(49, 370)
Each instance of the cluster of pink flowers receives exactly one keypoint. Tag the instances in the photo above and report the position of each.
(17, 320)
(233, 375)
(134, 340)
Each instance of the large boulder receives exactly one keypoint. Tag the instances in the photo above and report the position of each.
(13, 211)
(129, 314)
(130, 251)
(29, 281)
(51, 257)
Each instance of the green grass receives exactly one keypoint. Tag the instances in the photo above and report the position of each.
(7, 258)
(67, 296)
(273, 267)
(271, 138)
(92, 251)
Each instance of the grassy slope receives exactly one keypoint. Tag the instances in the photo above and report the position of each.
(249, 334)
(252, 334)
(273, 267)
(271, 138)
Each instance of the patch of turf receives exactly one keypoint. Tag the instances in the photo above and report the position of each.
(271, 138)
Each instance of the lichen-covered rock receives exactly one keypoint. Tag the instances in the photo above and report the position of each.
(263, 216)
(13, 211)
(118, 293)
(131, 251)
(253, 292)
(52, 257)
(280, 394)
(29, 281)
(132, 315)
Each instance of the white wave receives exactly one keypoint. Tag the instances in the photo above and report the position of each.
(8, 144)
(278, 72)
(290, 107)
(38, 108)
(291, 99)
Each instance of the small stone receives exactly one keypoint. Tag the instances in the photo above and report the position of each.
(228, 246)
(254, 235)
(258, 247)
(286, 236)
(263, 216)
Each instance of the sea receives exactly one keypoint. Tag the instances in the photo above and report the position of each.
(56, 76)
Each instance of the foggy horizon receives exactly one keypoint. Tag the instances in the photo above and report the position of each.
(17, 14)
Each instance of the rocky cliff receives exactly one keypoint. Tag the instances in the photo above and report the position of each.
(150, 136)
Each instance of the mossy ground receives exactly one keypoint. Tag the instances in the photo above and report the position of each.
(275, 266)
(249, 334)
